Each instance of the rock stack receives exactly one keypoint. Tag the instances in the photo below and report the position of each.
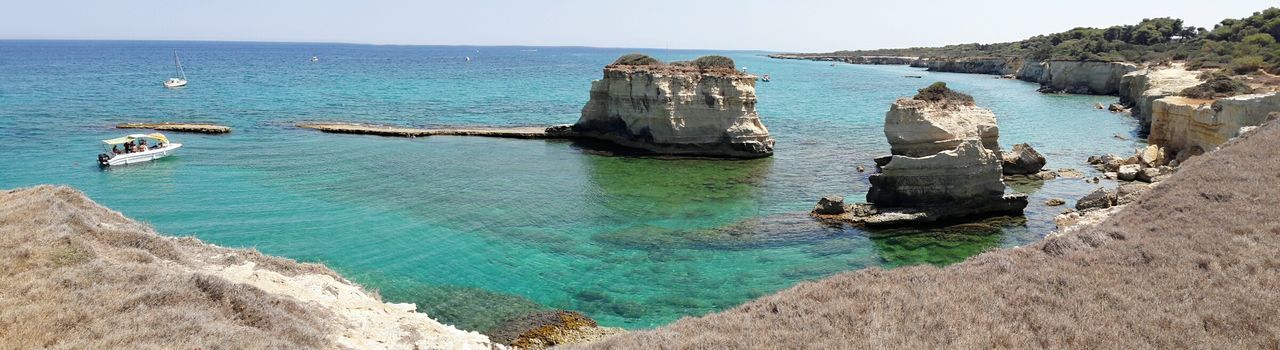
(700, 108)
(945, 163)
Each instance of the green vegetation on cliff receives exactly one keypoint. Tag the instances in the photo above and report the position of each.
(1242, 45)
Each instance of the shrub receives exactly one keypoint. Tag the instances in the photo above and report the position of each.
(636, 59)
(1218, 86)
(1260, 39)
(714, 61)
(1247, 64)
(938, 92)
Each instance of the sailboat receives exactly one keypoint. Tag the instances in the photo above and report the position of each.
(181, 79)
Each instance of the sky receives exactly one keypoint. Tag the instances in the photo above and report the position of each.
(781, 25)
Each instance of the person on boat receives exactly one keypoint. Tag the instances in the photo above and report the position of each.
(128, 147)
(115, 149)
(142, 145)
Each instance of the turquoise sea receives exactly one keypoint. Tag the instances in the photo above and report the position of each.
(474, 229)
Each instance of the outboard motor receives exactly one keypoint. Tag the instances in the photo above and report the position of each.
(104, 159)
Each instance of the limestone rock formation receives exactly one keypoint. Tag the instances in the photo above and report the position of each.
(1192, 126)
(1139, 89)
(1078, 77)
(977, 65)
(1084, 77)
(830, 205)
(545, 329)
(920, 128)
(945, 163)
(968, 173)
(677, 109)
(1099, 198)
(1022, 160)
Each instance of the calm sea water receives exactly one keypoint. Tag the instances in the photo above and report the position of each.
(476, 229)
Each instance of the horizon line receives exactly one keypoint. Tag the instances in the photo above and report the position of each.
(389, 44)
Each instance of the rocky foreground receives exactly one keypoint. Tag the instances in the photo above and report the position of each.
(700, 108)
(1189, 264)
(77, 275)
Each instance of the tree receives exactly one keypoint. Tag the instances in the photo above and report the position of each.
(1260, 40)
(1273, 27)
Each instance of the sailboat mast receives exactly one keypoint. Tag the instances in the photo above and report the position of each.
(178, 63)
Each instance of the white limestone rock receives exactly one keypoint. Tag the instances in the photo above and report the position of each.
(677, 110)
(1192, 126)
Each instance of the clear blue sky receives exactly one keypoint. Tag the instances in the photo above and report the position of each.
(782, 25)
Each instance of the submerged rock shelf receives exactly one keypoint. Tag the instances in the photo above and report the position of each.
(519, 132)
(178, 127)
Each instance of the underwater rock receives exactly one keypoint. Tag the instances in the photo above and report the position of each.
(549, 328)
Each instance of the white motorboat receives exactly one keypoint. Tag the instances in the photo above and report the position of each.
(181, 79)
(132, 149)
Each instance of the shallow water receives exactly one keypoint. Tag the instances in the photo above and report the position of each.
(477, 229)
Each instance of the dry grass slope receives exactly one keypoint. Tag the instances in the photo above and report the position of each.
(1195, 264)
(79, 276)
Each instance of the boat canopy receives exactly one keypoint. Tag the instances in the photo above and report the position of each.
(120, 140)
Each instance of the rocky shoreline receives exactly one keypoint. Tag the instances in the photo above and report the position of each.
(186, 293)
(67, 257)
(1150, 94)
(1179, 266)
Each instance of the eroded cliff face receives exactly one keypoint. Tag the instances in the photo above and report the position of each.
(676, 110)
(1138, 89)
(1030, 70)
(1084, 77)
(1189, 126)
(975, 65)
(1077, 77)
(966, 175)
(920, 128)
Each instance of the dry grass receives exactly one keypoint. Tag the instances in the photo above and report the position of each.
(74, 275)
(1194, 264)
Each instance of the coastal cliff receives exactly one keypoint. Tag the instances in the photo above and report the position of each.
(676, 109)
(1183, 266)
(1188, 126)
(81, 276)
(975, 65)
(1138, 89)
(1084, 77)
(874, 60)
(1077, 77)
